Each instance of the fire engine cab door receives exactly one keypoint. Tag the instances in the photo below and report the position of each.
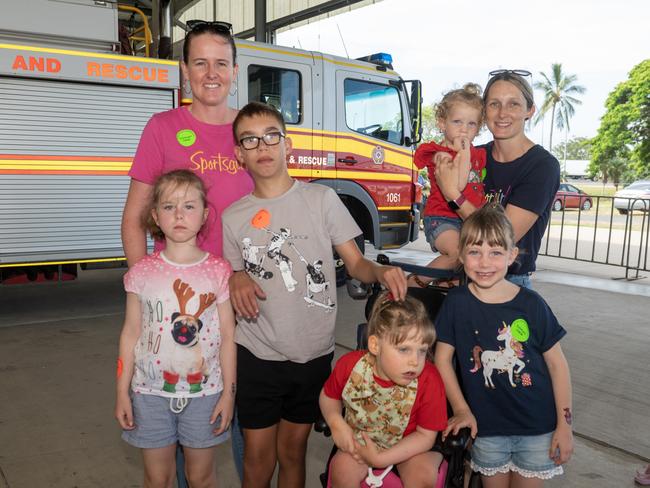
(284, 81)
(370, 149)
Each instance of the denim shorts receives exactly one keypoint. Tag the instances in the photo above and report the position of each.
(523, 454)
(157, 426)
(434, 226)
(522, 280)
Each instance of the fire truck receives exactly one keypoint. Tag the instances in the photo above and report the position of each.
(72, 111)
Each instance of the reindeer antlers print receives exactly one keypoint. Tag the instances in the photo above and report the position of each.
(184, 293)
(205, 300)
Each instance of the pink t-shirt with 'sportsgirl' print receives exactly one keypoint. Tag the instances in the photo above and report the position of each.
(176, 140)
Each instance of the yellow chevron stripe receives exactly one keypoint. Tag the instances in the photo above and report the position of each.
(393, 208)
(350, 175)
(43, 263)
(35, 164)
(85, 54)
(368, 140)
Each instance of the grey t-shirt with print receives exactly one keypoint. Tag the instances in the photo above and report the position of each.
(285, 245)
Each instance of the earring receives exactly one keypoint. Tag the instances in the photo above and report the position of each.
(187, 87)
(232, 92)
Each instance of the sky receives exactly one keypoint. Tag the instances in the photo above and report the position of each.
(599, 41)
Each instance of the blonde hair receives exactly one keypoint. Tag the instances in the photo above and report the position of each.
(395, 320)
(169, 182)
(469, 94)
(488, 224)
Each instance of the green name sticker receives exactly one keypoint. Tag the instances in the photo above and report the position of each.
(186, 137)
(519, 330)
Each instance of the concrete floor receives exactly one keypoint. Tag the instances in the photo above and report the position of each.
(58, 344)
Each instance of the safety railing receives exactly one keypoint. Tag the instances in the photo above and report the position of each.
(604, 230)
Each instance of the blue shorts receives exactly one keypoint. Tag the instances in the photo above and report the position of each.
(157, 426)
(522, 280)
(526, 455)
(434, 226)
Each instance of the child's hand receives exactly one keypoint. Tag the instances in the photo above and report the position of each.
(370, 453)
(124, 411)
(224, 408)
(561, 445)
(464, 418)
(244, 293)
(343, 437)
(393, 278)
(461, 144)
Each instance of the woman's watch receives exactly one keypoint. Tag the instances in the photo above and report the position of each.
(455, 204)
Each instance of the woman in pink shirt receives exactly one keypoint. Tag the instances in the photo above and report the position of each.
(196, 137)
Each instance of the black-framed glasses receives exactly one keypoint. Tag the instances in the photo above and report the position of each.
(215, 25)
(253, 142)
(519, 72)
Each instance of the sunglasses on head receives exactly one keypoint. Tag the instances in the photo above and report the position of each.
(519, 72)
(216, 25)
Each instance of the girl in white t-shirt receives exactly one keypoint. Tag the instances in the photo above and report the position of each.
(177, 359)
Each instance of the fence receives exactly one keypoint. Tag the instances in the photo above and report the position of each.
(604, 230)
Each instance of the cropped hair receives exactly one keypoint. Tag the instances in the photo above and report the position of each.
(169, 182)
(518, 81)
(469, 94)
(256, 109)
(207, 28)
(396, 321)
(490, 225)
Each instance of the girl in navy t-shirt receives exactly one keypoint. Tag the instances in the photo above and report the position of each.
(516, 388)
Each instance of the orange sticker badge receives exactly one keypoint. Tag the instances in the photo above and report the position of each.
(262, 219)
(120, 367)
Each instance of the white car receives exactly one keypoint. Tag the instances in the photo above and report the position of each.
(633, 197)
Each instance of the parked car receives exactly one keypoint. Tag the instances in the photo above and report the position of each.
(569, 196)
(635, 196)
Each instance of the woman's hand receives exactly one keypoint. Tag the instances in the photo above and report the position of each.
(464, 418)
(447, 170)
(224, 408)
(124, 411)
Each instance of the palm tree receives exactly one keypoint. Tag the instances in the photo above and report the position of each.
(558, 90)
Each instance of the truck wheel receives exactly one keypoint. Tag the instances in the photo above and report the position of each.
(341, 273)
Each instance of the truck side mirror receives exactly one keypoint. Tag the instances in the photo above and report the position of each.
(415, 109)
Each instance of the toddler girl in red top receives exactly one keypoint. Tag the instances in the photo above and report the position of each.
(459, 116)
(394, 400)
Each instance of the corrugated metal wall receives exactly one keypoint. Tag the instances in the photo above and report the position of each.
(46, 217)
(66, 118)
(241, 13)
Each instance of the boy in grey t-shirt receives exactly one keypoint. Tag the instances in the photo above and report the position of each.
(279, 241)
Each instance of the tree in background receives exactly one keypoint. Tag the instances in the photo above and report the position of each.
(614, 170)
(576, 148)
(559, 90)
(430, 130)
(624, 131)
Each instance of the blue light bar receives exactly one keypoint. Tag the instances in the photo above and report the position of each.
(384, 59)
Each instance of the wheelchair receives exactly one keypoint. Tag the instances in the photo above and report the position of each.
(454, 449)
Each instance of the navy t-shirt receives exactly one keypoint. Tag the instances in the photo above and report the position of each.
(529, 182)
(489, 340)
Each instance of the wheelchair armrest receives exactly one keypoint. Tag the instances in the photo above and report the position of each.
(321, 426)
(454, 442)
